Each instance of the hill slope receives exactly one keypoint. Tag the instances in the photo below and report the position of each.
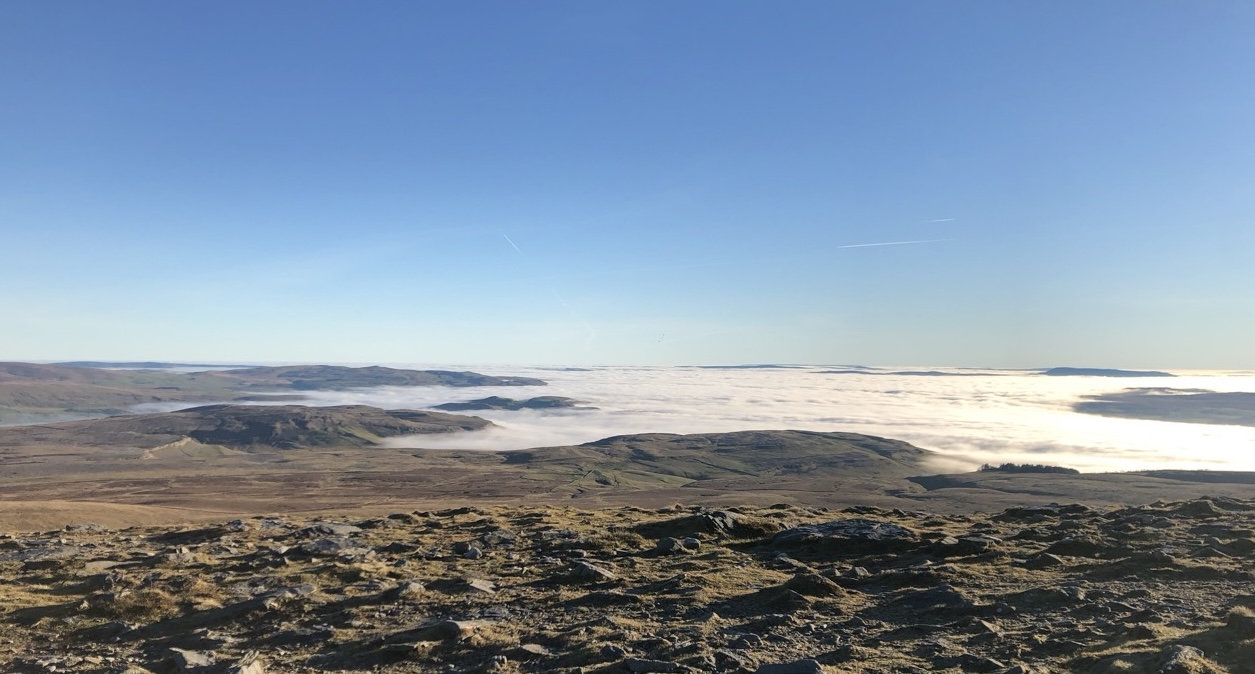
(30, 392)
(245, 427)
(655, 458)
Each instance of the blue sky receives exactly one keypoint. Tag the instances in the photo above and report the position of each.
(606, 182)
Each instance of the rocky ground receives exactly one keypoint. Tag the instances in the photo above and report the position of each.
(1161, 588)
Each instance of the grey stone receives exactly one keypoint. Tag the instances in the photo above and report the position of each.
(721, 521)
(642, 666)
(186, 660)
(670, 545)
(334, 547)
(411, 588)
(813, 585)
(1077, 546)
(732, 660)
(481, 585)
(942, 597)
(613, 652)
(1044, 560)
(499, 537)
(968, 662)
(100, 566)
(443, 630)
(967, 545)
(249, 664)
(795, 667)
(855, 535)
(585, 571)
(1178, 659)
(330, 529)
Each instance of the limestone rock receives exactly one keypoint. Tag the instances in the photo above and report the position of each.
(851, 536)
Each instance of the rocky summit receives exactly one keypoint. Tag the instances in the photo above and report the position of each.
(1166, 588)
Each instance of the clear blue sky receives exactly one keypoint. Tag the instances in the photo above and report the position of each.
(629, 182)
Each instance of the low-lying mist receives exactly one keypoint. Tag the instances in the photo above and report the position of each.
(1006, 416)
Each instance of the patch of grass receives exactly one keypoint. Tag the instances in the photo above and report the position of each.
(139, 605)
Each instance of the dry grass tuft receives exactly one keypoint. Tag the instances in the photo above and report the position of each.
(140, 605)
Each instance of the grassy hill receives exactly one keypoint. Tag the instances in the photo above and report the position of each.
(30, 392)
(653, 459)
(244, 427)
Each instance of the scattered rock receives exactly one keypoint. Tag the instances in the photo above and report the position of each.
(481, 585)
(940, 598)
(641, 666)
(814, 585)
(670, 546)
(584, 571)
(186, 661)
(1078, 546)
(795, 667)
(850, 536)
(249, 664)
(532, 651)
(1178, 659)
(330, 529)
(1199, 508)
(878, 590)
(1044, 560)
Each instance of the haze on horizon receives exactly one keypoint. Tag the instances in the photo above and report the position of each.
(968, 184)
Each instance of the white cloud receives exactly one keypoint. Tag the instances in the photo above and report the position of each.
(970, 420)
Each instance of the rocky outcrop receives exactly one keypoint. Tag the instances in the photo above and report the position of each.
(1161, 588)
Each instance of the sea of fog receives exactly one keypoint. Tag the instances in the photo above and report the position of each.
(969, 417)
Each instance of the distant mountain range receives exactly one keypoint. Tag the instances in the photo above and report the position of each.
(1102, 372)
(139, 365)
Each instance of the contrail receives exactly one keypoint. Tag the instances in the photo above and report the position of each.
(592, 331)
(888, 243)
(941, 220)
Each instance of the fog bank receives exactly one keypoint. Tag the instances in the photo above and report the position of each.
(995, 417)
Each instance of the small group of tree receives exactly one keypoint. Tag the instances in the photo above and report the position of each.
(1027, 468)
